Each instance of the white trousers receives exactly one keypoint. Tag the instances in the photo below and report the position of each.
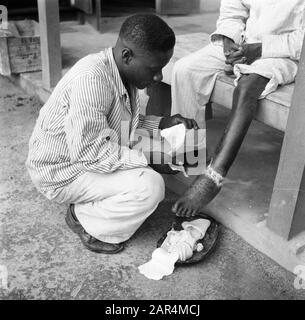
(194, 77)
(112, 206)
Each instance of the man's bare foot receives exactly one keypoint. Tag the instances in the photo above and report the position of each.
(199, 194)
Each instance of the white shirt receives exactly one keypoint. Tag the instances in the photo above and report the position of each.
(278, 24)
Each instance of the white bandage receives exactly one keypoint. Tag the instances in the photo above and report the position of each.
(213, 175)
(178, 245)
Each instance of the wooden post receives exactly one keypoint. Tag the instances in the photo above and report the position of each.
(287, 207)
(5, 65)
(50, 42)
(3, 17)
(90, 11)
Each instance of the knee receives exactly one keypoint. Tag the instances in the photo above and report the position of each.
(154, 187)
(250, 86)
(243, 88)
(244, 96)
(182, 68)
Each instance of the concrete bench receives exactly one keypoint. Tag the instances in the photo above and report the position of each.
(283, 110)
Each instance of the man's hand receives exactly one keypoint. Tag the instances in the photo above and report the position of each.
(252, 51)
(229, 46)
(168, 122)
(163, 168)
(230, 49)
(159, 162)
(248, 53)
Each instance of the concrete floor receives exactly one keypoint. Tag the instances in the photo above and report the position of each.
(45, 260)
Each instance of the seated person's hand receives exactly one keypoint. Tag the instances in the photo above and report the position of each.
(252, 51)
(167, 122)
(229, 46)
(230, 49)
(247, 53)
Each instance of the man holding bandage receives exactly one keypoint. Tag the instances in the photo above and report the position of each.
(80, 151)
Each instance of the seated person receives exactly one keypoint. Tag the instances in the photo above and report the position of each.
(79, 151)
(262, 41)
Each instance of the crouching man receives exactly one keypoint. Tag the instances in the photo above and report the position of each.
(79, 151)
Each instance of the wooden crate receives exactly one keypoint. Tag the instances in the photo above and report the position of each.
(20, 47)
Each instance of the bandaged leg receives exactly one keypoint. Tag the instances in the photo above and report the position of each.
(206, 187)
(192, 83)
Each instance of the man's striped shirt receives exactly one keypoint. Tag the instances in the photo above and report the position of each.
(87, 124)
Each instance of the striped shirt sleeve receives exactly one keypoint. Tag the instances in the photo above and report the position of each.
(150, 122)
(92, 144)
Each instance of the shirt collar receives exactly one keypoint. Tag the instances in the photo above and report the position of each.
(115, 72)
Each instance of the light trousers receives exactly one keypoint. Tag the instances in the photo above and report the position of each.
(194, 77)
(112, 206)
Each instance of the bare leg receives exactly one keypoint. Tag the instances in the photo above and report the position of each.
(245, 100)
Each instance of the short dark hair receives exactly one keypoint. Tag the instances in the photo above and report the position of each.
(149, 32)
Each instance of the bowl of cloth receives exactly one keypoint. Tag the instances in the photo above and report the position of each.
(207, 243)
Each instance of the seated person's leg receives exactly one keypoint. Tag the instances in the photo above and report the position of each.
(245, 100)
(111, 207)
(193, 80)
